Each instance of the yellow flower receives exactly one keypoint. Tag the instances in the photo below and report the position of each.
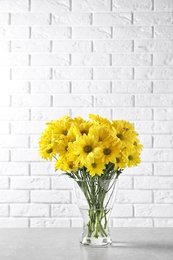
(137, 145)
(95, 167)
(99, 120)
(63, 164)
(47, 145)
(132, 156)
(87, 148)
(120, 162)
(124, 132)
(110, 152)
(81, 129)
(101, 133)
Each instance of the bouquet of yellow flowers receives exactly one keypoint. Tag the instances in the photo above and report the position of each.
(93, 151)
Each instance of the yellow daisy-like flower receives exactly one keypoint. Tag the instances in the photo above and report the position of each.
(99, 120)
(137, 145)
(95, 168)
(120, 162)
(47, 145)
(110, 152)
(81, 129)
(133, 157)
(63, 164)
(101, 133)
(87, 148)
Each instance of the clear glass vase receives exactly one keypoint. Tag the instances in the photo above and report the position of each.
(95, 199)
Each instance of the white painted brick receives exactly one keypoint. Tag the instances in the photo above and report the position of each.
(113, 73)
(163, 59)
(92, 32)
(154, 100)
(161, 210)
(146, 140)
(163, 114)
(132, 114)
(4, 155)
(163, 169)
(143, 169)
(50, 87)
(4, 129)
(132, 32)
(163, 141)
(14, 223)
(4, 100)
(30, 19)
(77, 222)
(131, 59)
(112, 46)
(71, 19)
(12, 141)
(50, 32)
(72, 73)
(4, 73)
(72, 46)
(27, 183)
(49, 223)
(61, 182)
(14, 60)
(30, 73)
(153, 182)
(50, 59)
(122, 210)
(113, 100)
(163, 86)
(112, 18)
(11, 196)
(33, 140)
(165, 5)
(132, 222)
(14, 32)
(148, 127)
(135, 5)
(153, 18)
(4, 19)
(85, 111)
(43, 168)
(90, 59)
(91, 5)
(48, 114)
(4, 46)
(8, 169)
(73, 100)
(156, 73)
(27, 127)
(163, 196)
(4, 183)
(153, 45)
(30, 46)
(11, 6)
(134, 196)
(25, 155)
(30, 210)
(11, 87)
(31, 100)
(125, 182)
(161, 222)
(163, 32)
(91, 86)
(4, 210)
(150, 155)
(65, 211)
(14, 114)
(50, 5)
(139, 86)
(50, 196)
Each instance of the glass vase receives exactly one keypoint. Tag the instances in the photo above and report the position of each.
(95, 199)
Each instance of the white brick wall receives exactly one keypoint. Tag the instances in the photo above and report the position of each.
(75, 57)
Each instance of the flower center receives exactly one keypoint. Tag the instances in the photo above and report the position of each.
(87, 148)
(94, 165)
(107, 151)
(130, 157)
(84, 132)
(117, 160)
(65, 132)
(120, 136)
(49, 150)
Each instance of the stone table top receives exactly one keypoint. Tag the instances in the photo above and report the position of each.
(63, 243)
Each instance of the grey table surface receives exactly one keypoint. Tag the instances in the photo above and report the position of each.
(63, 243)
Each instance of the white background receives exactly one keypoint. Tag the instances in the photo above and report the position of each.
(77, 57)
